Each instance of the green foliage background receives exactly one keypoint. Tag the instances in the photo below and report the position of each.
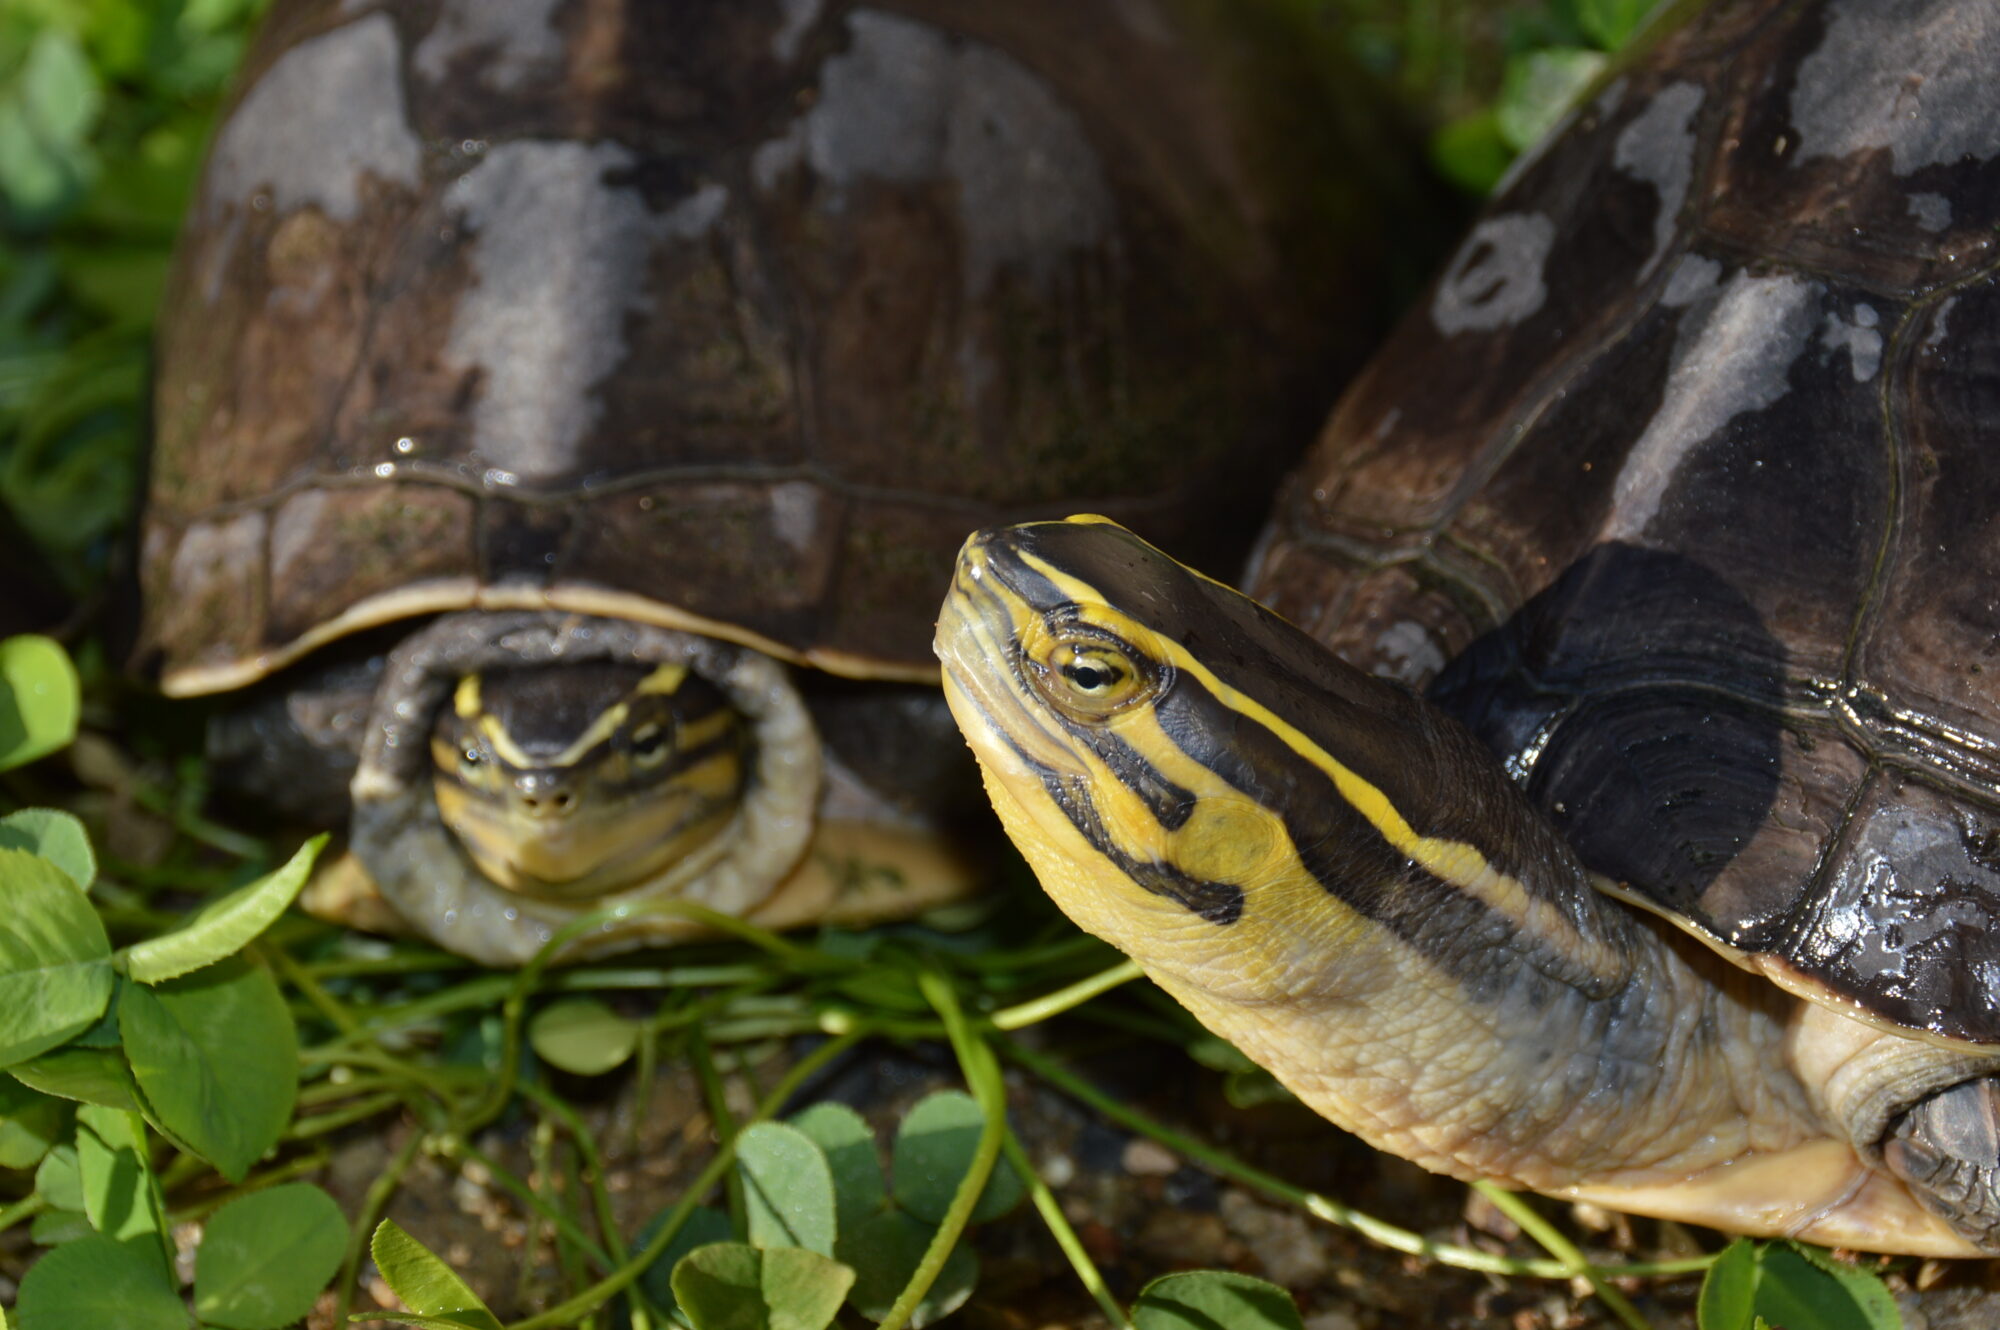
(105, 106)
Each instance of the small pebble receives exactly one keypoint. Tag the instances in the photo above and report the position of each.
(1057, 1170)
(1149, 1159)
(1593, 1217)
(187, 1237)
(1291, 1253)
(1487, 1217)
(1333, 1320)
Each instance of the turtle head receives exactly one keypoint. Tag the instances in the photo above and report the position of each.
(1154, 794)
(579, 779)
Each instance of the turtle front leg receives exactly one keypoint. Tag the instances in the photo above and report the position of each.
(1947, 1149)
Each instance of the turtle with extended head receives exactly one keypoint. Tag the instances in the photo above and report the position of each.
(1677, 889)
(566, 411)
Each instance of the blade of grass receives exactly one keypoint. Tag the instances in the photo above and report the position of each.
(982, 1076)
(1516, 1208)
(1059, 1228)
(1063, 999)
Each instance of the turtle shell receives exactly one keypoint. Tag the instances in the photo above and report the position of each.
(1679, 486)
(732, 315)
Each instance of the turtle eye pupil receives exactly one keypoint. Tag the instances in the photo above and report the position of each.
(1088, 679)
(1091, 678)
(649, 743)
(473, 757)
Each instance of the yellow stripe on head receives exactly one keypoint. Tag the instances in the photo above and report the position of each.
(664, 682)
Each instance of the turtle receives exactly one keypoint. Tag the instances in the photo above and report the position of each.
(565, 412)
(1594, 788)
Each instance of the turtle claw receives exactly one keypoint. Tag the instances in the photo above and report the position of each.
(1947, 1149)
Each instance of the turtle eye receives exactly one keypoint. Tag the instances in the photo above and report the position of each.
(471, 758)
(649, 746)
(1091, 678)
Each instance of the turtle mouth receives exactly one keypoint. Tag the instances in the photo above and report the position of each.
(602, 848)
(979, 644)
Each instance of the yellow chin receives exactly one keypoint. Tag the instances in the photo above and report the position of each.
(589, 853)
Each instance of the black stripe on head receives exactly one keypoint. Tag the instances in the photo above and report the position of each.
(1170, 805)
(546, 708)
(1342, 850)
(1217, 902)
(1352, 861)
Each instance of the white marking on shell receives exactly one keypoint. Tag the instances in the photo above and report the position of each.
(1883, 902)
(1658, 148)
(1692, 278)
(1407, 652)
(881, 108)
(1932, 211)
(560, 259)
(1731, 357)
(1029, 183)
(326, 113)
(905, 104)
(773, 157)
(1912, 76)
(1937, 333)
(1859, 337)
(216, 552)
(514, 39)
(1495, 279)
(694, 216)
(795, 513)
(296, 529)
(795, 22)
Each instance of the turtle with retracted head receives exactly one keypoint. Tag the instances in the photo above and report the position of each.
(565, 413)
(1676, 890)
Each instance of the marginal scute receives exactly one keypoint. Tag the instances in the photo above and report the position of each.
(212, 585)
(364, 542)
(1908, 920)
(1755, 896)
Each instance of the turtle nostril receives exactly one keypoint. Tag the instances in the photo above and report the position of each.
(547, 803)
